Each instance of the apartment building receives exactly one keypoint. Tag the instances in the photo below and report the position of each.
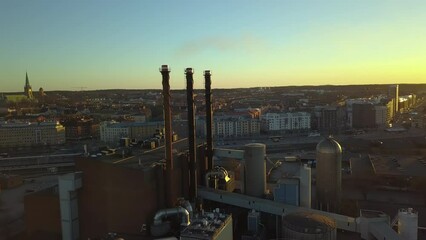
(286, 121)
(31, 134)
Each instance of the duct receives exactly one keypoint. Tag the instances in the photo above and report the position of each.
(158, 218)
(229, 153)
(209, 118)
(187, 205)
(165, 72)
(376, 227)
(268, 206)
(218, 172)
(191, 134)
(382, 230)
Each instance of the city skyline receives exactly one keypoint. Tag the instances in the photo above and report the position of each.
(120, 45)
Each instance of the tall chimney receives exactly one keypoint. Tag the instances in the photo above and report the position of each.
(209, 119)
(165, 72)
(191, 134)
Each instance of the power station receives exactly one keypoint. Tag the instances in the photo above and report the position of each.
(214, 193)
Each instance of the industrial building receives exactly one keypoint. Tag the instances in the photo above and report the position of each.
(212, 193)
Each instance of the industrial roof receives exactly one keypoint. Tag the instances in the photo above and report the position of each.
(309, 222)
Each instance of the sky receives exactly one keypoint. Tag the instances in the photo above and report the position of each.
(120, 44)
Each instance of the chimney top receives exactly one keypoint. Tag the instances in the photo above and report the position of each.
(189, 70)
(164, 68)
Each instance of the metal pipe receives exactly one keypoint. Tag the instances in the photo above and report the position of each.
(187, 205)
(217, 172)
(191, 134)
(209, 118)
(165, 72)
(158, 218)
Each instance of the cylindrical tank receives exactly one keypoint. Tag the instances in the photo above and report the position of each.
(308, 226)
(305, 186)
(255, 169)
(329, 175)
(408, 221)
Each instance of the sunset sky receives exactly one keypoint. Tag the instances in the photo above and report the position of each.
(105, 44)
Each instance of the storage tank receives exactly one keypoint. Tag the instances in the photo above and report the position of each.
(408, 221)
(308, 226)
(305, 186)
(255, 173)
(329, 175)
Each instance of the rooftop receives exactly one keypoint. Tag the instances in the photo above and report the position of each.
(207, 225)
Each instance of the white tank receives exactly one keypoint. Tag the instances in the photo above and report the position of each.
(408, 221)
(255, 169)
(305, 186)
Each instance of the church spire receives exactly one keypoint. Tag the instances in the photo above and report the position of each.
(27, 89)
(27, 82)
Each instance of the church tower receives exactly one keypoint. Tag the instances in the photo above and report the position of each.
(27, 89)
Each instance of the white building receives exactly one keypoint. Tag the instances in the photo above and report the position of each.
(230, 126)
(111, 131)
(31, 134)
(286, 121)
(382, 113)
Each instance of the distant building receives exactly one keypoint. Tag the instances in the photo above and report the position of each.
(80, 128)
(228, 126)
(31, 134)
(286, 121)
(364, 115)
(381, 117)
(350, 109)
(390, 112)
(112, 131)
(331, 119)
(394, 94)
(406, 102)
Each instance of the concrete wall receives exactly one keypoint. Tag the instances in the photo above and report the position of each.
(116, 198)
(42, 216)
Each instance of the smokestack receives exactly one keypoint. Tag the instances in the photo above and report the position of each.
(191, 134)
(209, 119)
(165, 72)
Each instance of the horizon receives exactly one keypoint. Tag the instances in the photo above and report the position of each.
(107, 44)
(232, 88)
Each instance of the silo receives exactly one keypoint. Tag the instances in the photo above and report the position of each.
(305, 186)
(308, 226)
(255, 169)
(329, 175)
(408, 221)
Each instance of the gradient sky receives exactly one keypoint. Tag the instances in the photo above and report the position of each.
(104, 44)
